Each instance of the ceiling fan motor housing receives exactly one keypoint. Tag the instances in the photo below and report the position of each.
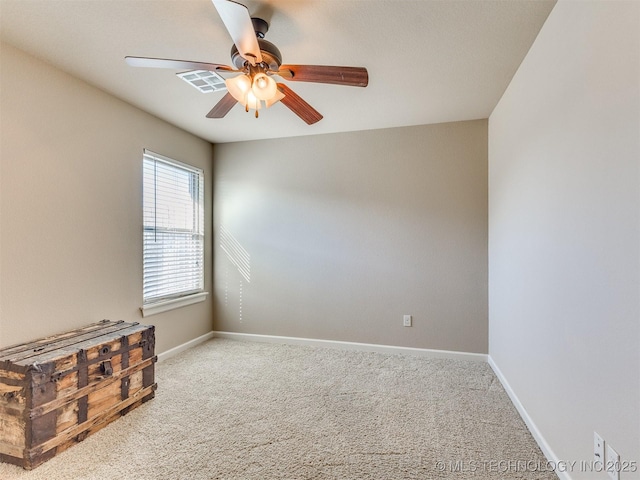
(271, 56)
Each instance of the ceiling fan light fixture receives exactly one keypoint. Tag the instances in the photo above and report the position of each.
(251, 91)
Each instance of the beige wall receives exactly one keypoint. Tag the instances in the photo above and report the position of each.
(70, 205)
(564, 231)
(345, 233)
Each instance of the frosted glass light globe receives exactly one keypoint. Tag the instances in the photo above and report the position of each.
(264, 88)
(238, 87)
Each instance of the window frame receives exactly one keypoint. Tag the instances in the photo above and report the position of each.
(157, 304)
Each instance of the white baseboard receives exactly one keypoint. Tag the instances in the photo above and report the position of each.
(185, 346)
(362, 347)
(535, 432)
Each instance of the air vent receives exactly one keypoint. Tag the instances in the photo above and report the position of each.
(204, 80)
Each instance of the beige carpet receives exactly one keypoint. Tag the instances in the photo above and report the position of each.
(236, 410)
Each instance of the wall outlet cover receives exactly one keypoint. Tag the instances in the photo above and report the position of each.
(406, 320)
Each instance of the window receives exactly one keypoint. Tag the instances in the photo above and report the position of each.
(173, 250)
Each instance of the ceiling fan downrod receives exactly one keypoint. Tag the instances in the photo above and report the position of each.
(260, 26)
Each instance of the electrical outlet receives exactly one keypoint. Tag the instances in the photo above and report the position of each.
(598, 449)
(613, 463)
(406, 321)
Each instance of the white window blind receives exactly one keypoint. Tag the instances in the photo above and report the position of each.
(173, 250)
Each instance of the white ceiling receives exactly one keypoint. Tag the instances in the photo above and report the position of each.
(428, 61)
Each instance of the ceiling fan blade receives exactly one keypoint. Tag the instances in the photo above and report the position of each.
(175, 64)
(222, 107)
(298, 106)
(236, 18)
(350, 76)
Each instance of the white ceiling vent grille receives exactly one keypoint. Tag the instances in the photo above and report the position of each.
(204, 80)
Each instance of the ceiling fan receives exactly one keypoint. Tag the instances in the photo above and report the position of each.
(256, 61)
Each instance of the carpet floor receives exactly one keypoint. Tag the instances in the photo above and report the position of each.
(239, 410)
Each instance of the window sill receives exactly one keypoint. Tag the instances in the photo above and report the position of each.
(166, 305)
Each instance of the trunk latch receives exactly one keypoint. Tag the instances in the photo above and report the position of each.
(106, 368)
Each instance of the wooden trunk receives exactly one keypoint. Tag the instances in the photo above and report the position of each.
(56, 391)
